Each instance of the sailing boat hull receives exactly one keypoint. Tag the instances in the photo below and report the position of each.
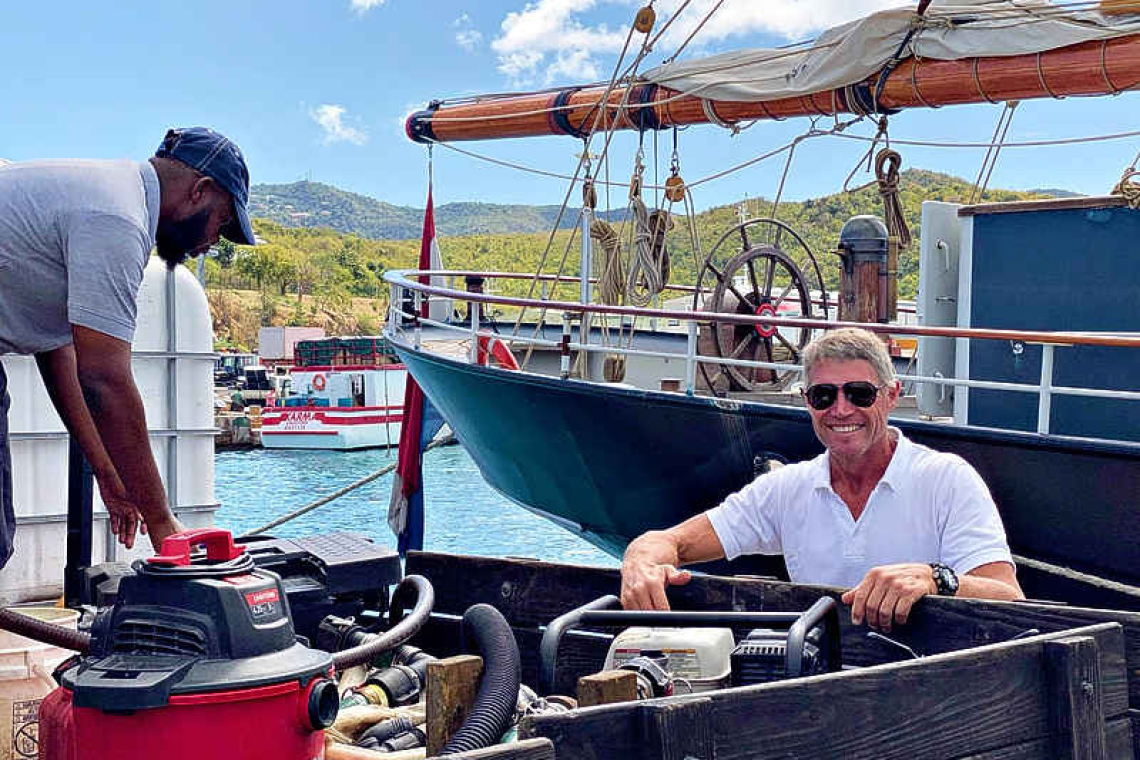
(614, 462)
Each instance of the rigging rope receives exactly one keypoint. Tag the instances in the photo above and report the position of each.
(887, 164)
(341, 492)
(991, 157)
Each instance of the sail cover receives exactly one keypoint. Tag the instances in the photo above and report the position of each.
(853, 52)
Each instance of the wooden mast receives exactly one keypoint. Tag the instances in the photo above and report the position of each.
(1088, 68)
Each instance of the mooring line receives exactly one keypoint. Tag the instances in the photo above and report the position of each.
(337, 494)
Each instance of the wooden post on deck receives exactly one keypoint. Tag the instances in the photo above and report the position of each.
(451, 687)
(1076, 711)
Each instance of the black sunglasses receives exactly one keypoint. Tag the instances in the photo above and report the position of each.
(859, 392)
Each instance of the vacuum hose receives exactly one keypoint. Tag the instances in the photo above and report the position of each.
(48, 633)
(498, 694)
(399, 632)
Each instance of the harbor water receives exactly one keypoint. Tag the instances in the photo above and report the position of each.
(463, 514)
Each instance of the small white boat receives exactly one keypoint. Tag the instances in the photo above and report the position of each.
(338, 406)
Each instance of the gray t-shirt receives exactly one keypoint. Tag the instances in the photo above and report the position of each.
(75, 236)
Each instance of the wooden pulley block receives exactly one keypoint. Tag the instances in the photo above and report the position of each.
(675, 188)
(589, 194)
(635, 186)
(644, 19)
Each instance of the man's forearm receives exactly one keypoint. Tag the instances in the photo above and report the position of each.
(979, 587)
(57, 369)
(656, 547)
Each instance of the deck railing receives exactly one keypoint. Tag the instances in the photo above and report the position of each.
(407, 281)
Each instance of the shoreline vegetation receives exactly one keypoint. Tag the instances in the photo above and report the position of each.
(332, 277)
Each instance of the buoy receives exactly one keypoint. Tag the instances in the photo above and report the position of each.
(318, 382)
(491, 347)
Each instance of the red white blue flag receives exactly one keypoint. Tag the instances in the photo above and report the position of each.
(420, 423)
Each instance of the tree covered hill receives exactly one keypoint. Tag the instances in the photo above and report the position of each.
(312, 204)
(327, 268)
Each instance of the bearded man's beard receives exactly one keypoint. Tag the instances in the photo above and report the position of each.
(177, 240)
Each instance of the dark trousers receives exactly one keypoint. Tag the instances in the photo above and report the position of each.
(7, 514)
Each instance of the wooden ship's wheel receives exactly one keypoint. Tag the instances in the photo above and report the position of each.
(757, 278)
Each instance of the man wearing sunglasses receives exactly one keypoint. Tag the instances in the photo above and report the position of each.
(876, 513)
(75, 236)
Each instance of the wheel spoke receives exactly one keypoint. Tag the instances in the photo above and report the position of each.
(752, 279)
(769, 275)
(738, 294)
(716, 272)
(744, 237)
(795, 351)
(743, 344)
(784, 295)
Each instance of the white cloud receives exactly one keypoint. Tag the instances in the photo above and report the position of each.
(363, 6)
(788, 20)
(468, 37)
(550, 39)
(330, 118)
(550, 30)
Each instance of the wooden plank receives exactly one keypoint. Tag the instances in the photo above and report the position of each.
(1076, 710)
(529, 749)
(1048, 204)
(451, 687)
(607, 687)
(678, 730)
(1118, 734)
(901, 710)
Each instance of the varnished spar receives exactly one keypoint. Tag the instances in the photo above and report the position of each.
(1088, 68)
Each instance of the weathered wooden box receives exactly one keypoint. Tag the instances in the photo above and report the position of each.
(994, 680)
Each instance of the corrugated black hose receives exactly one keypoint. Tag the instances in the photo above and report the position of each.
(494, 707)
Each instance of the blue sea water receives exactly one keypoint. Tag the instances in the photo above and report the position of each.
(463, 514)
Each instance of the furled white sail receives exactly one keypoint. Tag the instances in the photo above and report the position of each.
(852, 52)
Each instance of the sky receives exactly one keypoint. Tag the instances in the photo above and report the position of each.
(319, 89)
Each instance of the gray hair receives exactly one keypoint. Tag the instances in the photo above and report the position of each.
(850, 344)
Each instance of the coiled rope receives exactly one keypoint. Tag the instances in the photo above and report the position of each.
(612, 278)
(649, 269)
(1129, 189)
(887, 163)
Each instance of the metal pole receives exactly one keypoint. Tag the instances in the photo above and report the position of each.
(80, 491)
(691, 359)
(1045, 397)
(585, 294)
(474, 311)
(564, 369)
(416, 309)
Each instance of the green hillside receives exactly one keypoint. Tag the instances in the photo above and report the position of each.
(312, 204)
(327, 268)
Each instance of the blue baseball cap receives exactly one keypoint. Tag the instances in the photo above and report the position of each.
(216, 156)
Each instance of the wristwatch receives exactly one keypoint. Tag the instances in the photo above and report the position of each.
(945, 579)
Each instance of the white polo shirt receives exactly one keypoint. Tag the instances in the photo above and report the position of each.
(929, 506)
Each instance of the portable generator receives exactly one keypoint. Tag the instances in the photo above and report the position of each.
(197, 658)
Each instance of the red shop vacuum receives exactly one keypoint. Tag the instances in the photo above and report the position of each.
(196, 659)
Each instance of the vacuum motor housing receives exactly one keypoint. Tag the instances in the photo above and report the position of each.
(196, 659)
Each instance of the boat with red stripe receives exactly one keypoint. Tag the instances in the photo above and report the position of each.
(354, 399)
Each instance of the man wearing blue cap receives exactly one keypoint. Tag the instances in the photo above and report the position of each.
(75, 236)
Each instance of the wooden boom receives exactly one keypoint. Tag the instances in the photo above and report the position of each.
(1089, 68)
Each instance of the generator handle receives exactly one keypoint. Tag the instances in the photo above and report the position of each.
(824, 610)
(552, 637)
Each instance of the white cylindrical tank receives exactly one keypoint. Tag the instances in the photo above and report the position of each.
(173, 364)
